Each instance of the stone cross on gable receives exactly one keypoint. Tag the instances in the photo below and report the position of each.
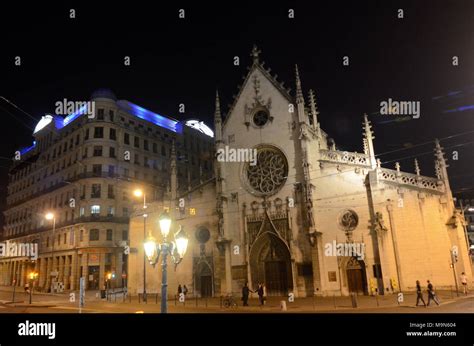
(255, 53)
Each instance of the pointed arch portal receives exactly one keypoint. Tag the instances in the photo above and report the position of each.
(270, 263)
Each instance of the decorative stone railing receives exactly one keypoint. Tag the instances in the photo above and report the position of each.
(346, 157)
(403, 178)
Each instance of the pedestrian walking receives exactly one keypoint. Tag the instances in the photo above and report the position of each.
(431, 294)
(185, 290)
(27, 288)
(464, 282)
(419, 294)
(261, 294)
(245, 294)
(180, 290)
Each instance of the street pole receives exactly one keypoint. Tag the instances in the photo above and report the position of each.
(52, 252)
(164, 279)
(454, 273)
(31, 290)
(144, 255)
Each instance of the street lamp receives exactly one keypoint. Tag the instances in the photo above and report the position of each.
(32, 276)
(176, 249)
(141, 193)
(50, 216)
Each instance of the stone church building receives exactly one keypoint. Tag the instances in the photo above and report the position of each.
(307, 218)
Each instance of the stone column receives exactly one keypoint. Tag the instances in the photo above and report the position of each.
(14, 273)
(67, 272)
(118, 266)
(22, 273)
(42, 272)
(61, 261)
(74, 272)
(48, 273)
(85, 269)
(101, 270)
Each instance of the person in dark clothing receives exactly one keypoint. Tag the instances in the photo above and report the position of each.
(180, 290)
(419, 294)
(185, 290)
(245, 294)
(260, 293)
(431, 294)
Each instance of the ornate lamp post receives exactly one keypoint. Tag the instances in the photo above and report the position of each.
(176, 249)
(32, 276)
(141, 193)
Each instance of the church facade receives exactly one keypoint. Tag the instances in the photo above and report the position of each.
(305, 218)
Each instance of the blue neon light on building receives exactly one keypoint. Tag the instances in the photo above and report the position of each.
(145, 114)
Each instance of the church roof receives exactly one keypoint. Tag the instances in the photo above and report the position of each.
(266, 72)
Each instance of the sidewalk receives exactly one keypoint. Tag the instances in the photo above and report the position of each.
(192, 305)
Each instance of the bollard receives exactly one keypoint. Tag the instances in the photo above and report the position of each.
(283, 305)
(354, 300)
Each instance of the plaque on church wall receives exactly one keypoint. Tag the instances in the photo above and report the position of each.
(332, 276)
(239, 272)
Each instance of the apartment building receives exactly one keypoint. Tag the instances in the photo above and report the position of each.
(71, 192)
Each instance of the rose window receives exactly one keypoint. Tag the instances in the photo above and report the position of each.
(270, 172)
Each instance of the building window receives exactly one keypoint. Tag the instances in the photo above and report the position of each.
(81, 211)
(136, 142)
(94, 234)
(112, 152)
(109, 234)
(97, 150)
(126, 138)
(155, 148)
(125, 212)
(86, 135)
(111, 211)
(81, 235)
(163, 150)
(100, 114)
(137, 159)
(111, 170)
(145, 162)
(98, 132)
(65, 238)
(112, 134)
(124, 235)
(95, 192)
(95, 210)
(145, 145)
(97, 170)
(111, 115)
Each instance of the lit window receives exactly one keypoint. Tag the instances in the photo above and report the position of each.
(95, 209)
(192, 211)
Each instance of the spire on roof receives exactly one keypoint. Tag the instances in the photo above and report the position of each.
(314, 108)
(299, 92)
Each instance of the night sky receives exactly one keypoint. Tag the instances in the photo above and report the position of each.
(177, 61)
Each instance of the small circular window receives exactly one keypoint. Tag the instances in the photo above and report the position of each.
(202, 235)
(348, 220)
(260, 118)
